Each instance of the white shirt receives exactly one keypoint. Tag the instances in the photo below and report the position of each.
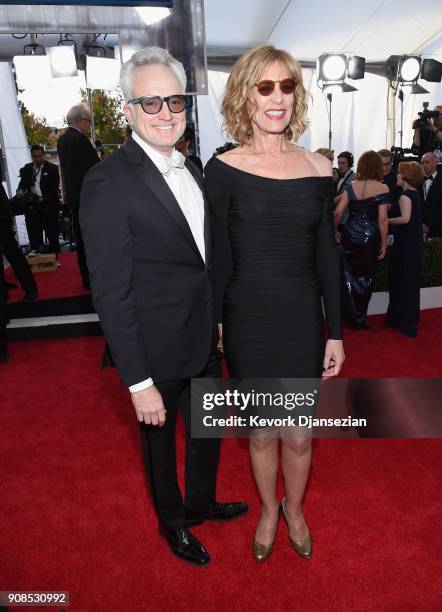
(189, 198)
(36, 175)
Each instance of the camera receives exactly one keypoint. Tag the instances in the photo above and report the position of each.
(424, 116)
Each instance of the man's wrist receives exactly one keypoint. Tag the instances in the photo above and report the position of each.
(141, 386)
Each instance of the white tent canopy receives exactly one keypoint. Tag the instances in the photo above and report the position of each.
(360, 120)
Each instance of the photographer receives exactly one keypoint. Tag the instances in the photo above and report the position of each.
(428, 131)
(38, 187)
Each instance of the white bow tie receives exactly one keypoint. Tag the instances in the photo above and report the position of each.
(172, 163)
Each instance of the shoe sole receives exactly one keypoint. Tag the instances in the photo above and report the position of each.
(188, 560)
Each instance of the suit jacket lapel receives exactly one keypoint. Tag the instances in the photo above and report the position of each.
(154, 181)
(194, 171)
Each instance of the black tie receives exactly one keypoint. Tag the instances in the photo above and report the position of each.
(428, 178)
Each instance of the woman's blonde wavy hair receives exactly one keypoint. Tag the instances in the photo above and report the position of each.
(246, 72)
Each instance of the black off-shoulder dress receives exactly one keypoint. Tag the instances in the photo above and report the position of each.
(274, 257)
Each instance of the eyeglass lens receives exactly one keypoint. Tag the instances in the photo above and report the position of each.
(265, 88)
(153, 105)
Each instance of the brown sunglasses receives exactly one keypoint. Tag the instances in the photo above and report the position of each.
(265, 88)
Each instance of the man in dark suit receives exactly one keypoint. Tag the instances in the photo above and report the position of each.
(10, 249)
(390, 176)
(432, 194)
(77, 155)
(39, 185)
(148, 241)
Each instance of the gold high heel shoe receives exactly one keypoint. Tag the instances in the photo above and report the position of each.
(262, 552)
(305, 548)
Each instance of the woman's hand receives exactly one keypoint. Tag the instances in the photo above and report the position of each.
(382, 251)
(333, 358)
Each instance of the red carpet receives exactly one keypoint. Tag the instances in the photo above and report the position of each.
(60, 283)
(75, 515)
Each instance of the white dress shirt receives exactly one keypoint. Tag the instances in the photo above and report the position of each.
(189, 198)
(36, 176)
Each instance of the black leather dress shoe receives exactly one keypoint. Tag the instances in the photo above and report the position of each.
(219, 511)
(185, 545)
(30, 295)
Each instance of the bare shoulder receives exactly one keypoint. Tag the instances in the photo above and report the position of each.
(320, 163)
(383, 188)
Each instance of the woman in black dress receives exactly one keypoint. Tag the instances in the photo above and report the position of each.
(405, 255)
(364, 236)
(274, 257)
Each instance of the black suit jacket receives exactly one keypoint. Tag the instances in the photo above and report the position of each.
(49, 183)
(432, 215)
(150, 285)
(77, 156)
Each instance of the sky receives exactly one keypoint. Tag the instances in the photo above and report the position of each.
(52, 103)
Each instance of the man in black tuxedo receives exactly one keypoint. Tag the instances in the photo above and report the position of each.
(432, 194)
(39, 184)
(77, 155)
(390, 176)
(10, 249)
(146, 229)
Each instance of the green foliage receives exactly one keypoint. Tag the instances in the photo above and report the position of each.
(108, 116)
(431, 267)
(37, 130)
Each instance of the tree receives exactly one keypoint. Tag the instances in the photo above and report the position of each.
(36, 128)
(109, 119)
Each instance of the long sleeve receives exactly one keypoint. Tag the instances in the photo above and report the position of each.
(108, 242)
(329, 270)
(218, 198)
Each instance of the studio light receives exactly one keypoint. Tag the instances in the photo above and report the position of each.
(431, 71)
(152, 14)
(102, 72)
(334, 68)
(62, 61)
(338, 87)
(403, 68)
(32, 71)
(409, 69)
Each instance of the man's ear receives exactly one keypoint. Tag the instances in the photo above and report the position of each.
(128, 113)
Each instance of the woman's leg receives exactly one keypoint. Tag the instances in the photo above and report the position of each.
(264, 458)
(296, 460)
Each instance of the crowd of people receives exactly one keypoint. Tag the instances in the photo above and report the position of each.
(183, 267)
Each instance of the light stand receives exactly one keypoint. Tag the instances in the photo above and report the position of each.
(400, 95)
(330, 98)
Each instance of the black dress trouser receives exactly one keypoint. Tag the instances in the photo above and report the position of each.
(10, 249)
(38, 221)
(81, 253)
(159, 454)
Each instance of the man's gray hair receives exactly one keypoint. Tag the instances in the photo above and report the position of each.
(77, 112)
(432, 155)
(147, 57)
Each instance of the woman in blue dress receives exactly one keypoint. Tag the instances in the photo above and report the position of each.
(405, 256)
(364, 236)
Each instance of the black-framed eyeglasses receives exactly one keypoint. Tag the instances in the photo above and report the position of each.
(153, 104)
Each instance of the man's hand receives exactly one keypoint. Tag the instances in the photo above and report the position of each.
(333, 358)
(149, 406)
